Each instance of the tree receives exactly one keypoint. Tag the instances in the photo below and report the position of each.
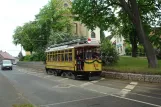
(21, 37)
(103, 13)
(52, 19)
(108, 53)
(20, 55)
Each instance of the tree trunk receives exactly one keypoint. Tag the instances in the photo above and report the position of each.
(134, 47)
(133, 41)
(102, 35)
(152, 60)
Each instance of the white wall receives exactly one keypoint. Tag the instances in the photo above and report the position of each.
(120, 45)
(97, 34)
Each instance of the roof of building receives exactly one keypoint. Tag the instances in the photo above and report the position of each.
(6, 55)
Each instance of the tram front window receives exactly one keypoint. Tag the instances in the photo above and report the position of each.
(92, 53)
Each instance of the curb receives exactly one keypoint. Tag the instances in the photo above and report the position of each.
(132, 76)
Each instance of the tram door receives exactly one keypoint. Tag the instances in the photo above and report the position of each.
(79, 53)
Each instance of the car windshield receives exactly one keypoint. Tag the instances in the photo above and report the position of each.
(6, 62)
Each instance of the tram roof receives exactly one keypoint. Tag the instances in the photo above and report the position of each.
(72, 46)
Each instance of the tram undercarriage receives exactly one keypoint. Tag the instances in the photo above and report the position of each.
(93, 75)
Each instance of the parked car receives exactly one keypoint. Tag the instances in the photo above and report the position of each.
(6, 64)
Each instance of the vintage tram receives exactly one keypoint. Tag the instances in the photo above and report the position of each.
(74, 59)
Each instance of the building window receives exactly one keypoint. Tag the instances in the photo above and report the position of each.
(65, 5)
(93, 35)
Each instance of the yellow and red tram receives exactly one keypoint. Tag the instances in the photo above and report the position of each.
(74, 59)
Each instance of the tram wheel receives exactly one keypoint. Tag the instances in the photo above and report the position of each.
(55, 73)
(50, 72)
(72, 76)
(64, 75)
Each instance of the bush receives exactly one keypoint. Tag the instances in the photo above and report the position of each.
(27, 58)
(109, 54)
(158, 54)
(141, 50)
(128, 50)
(39, 56)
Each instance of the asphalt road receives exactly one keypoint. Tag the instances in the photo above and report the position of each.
(23, 85)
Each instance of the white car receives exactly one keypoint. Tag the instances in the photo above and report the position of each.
(6, 64)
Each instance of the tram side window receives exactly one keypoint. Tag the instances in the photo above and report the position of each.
(58, 57)
(66, 56)
(54, 59)
(52, 56)
(48, 56)
(70, 56)
(62, 55)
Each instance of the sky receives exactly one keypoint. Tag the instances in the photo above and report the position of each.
(15, 13)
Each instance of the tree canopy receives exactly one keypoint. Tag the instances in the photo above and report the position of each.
(113, 14)
(49, 22)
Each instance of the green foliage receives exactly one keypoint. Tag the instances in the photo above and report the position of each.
(39, 56)
(155, 37)
(122, 16)
(27, 58)
(108, 53)
(21, 37)
(52, 20)
(128, 50)
(140, 50)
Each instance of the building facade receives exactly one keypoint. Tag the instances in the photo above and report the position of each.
(119, 42)
(6, 56)
(80, 29)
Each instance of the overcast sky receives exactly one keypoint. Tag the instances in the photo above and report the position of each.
(14, 13)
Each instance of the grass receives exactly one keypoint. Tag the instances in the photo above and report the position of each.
(23, 105)
(133, 65)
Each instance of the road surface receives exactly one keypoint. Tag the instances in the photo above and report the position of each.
(22, 85)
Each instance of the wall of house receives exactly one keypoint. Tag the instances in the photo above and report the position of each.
(1, 58)
(80, 29)
(120, 47)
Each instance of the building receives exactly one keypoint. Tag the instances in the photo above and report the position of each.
(28, 53)
(119, 42)
(80, 29)
(6, 56)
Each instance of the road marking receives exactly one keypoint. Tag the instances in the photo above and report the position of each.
(124, 92)
(94, 81)
(134, 83)
(85, 84)
(102, 78)
(62, 79)
(146, 96)
(63, 86)
(127, 89)
(136, 101)
(97, 91)
(130, 87)
(72, 101)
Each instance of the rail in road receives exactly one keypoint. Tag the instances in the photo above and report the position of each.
(50, 91)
